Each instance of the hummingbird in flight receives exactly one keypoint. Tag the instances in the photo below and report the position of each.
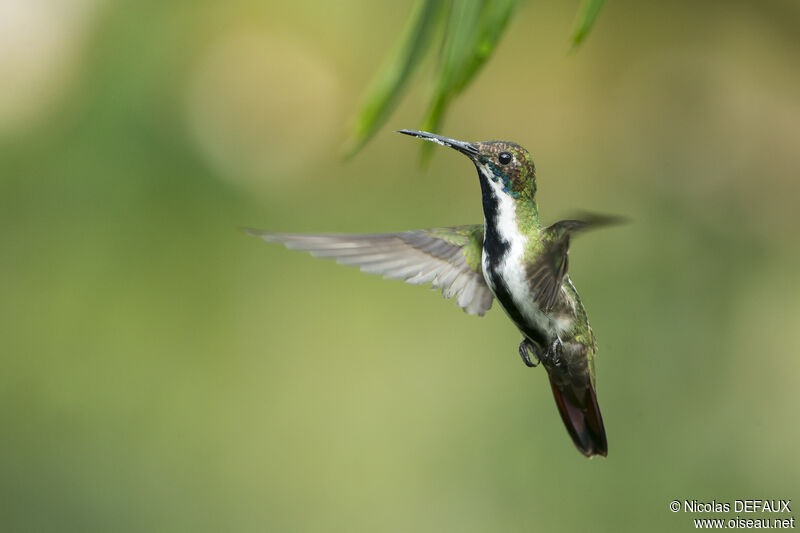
(511, 257)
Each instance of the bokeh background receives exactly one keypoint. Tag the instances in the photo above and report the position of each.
(163, 371)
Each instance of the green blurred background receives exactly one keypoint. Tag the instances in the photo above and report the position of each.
(162, 371)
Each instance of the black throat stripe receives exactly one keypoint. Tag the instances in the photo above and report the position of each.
(496, 248)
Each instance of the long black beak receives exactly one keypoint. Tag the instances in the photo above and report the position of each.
(468, 149)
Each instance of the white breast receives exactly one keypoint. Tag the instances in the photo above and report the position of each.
(511, 267)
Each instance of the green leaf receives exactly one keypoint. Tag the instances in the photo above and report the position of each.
(473, 30)
(395, 72)
(587, 14)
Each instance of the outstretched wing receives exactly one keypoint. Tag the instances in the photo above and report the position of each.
(448, 258)
(547, 273)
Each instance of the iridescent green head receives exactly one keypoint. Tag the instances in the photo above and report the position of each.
(507, 165)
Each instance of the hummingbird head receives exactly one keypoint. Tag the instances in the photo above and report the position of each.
(505, 167)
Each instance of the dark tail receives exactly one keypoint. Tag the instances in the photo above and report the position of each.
(583, 420)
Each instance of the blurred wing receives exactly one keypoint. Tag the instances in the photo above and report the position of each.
(547, 273)
(448, 258)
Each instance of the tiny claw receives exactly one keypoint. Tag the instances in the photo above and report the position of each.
(554, 353)
(526, 350)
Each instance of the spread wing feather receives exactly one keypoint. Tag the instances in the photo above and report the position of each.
(547, 273)
(448, 258)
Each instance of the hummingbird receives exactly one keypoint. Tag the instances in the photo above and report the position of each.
(512, 258)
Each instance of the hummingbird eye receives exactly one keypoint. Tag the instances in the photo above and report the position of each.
(504, 158)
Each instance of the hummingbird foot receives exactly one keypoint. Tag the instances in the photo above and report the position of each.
(526, 350)
(553, 355)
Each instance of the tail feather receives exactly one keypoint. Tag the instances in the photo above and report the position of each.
(583, 420)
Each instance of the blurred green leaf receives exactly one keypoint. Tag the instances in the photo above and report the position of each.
(587, 14)
(456, 55)
(395, 72)
(474, 29)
